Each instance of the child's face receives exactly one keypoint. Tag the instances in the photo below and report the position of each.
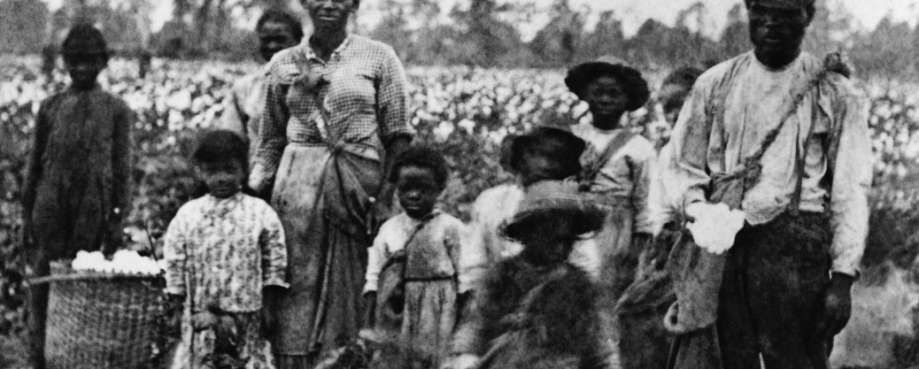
(223, 178)
(537, 165)
(84, 69)
(607, 99)
(548, 240)
(274, 37)
(417, 190)
(672, 97)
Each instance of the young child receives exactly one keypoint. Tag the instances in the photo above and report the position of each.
(617, 171)
(77, 185)
(424, 243)
(544, 153)
(226, 260)
(536, 309)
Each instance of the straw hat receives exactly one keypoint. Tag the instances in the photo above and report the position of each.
(631, 80)
(556, 198)
(556, 141)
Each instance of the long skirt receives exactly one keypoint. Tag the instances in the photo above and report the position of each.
(428, 322)
(236, 343)
(326, 264)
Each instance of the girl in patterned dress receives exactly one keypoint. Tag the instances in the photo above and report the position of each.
(225, 253)
(423, 243)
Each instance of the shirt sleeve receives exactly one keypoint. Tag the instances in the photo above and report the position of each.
(659, 203)
(643, 164)
(34, 166)
(174, 253)
(850, 160)
(274, 250)
(690, 140)
(392, 98)
(272, 138)
(476, 240)
(376, 256)
(122, 160)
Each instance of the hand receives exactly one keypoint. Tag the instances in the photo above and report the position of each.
(837, 306)
(203, 320)
(463, 361)
(370, 303)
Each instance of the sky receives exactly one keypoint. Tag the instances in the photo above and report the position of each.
(633, 13)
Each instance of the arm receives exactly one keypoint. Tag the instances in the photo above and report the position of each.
(272, 139)
(850, 164)
(122, 164)
(174, 246)
(273, 250)
(689, 140)
(34, 166)
(376, 257)
(392, 115)
(643, 165)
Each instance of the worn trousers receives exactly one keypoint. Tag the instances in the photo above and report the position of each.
(770, 300)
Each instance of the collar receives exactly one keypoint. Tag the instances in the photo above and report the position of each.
(220, 207)
(311, 54)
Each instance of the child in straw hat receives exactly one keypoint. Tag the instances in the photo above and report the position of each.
(536, 309)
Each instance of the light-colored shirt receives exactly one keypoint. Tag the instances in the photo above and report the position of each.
(837, 170)
(626, 175)
(366, 99)
(486, 246)
(224, 251)
(243, 107)
(663, 204)
(442, 234)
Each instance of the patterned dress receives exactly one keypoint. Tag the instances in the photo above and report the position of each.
(320, 155)
(221, 253)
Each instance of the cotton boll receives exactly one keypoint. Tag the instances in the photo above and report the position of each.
(715, 226)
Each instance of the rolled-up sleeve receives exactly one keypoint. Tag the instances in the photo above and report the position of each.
(690, 140)
(850, 160)
(274, 250)
(272, 138)
(174, 253)
(392, 98)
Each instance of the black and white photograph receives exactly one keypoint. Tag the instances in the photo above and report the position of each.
(459, 184)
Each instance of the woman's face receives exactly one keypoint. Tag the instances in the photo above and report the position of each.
(330, 15)
(607, 99)
(548, 239)
(223, 178)
(274, 37)
(417, 190)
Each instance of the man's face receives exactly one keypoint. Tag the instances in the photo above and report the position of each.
(330, 14)
(777, 33)
(84, 68)
(274, 37)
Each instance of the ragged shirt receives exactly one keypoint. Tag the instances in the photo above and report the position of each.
(366, 101)
(441, 233)
(243, 106)
(626, 175)
(224, 251)
(837, 167)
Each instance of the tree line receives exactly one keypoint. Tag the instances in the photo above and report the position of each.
(480, 33)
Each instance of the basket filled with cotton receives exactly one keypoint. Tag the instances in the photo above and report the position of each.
(104, 313)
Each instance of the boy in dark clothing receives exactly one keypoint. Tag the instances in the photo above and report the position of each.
(77, 186)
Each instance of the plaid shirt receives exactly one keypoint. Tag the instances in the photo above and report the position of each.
(365, 101)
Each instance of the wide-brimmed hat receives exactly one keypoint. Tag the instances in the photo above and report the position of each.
(784, 4)
(556, 199)
(558, 142)
(633, 84)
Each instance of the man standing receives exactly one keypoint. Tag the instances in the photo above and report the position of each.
(243, 105)
(796, 139)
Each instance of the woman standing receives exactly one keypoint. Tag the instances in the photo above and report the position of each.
(335, 115)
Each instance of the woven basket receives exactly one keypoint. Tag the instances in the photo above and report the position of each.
(102, 320)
